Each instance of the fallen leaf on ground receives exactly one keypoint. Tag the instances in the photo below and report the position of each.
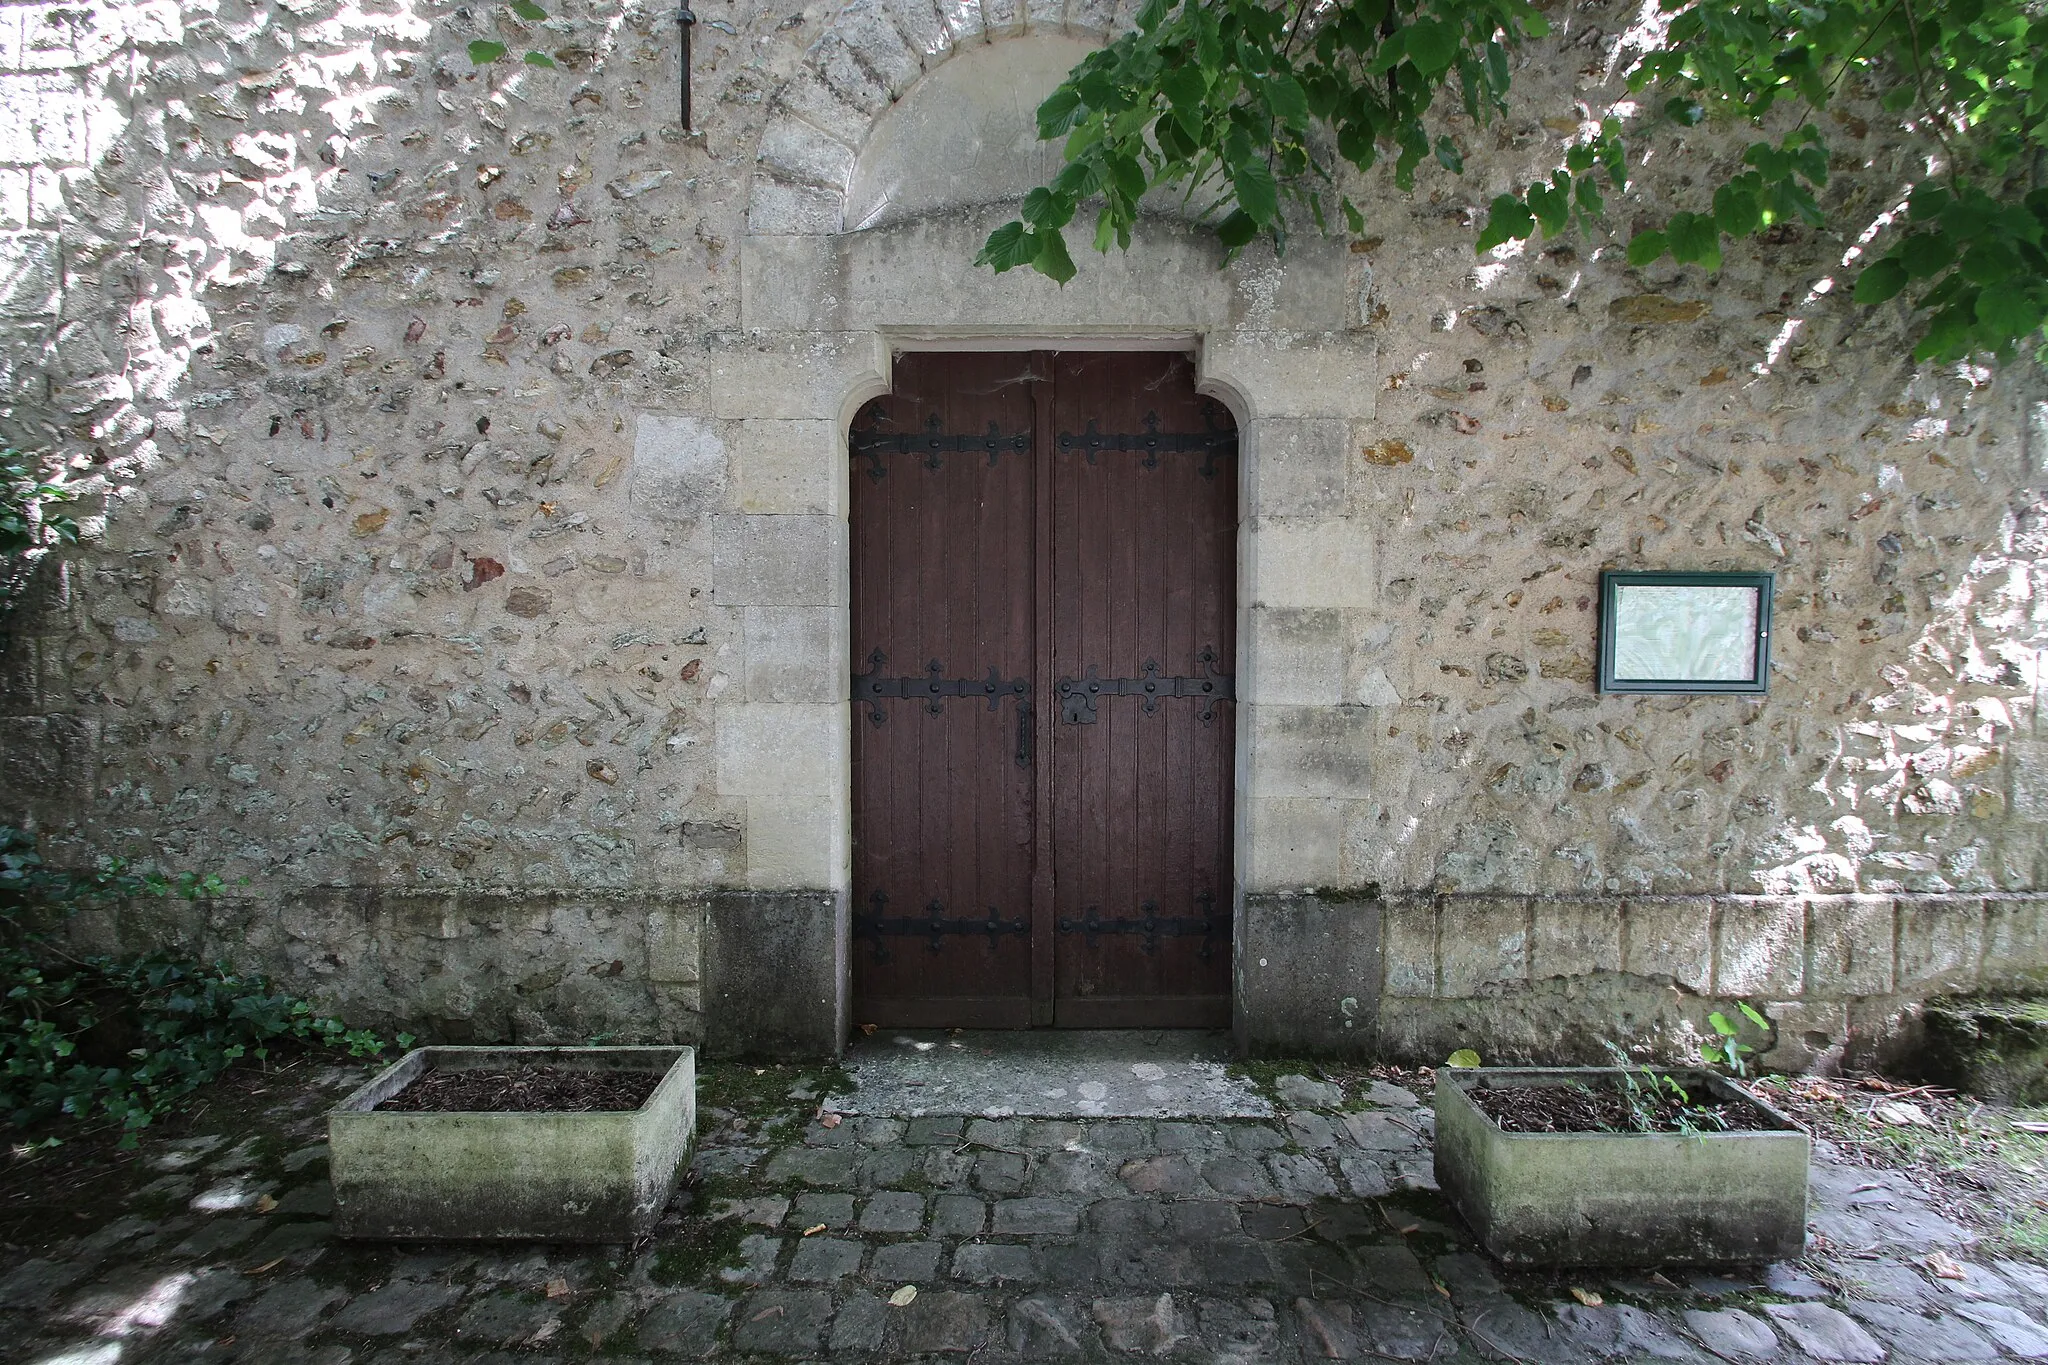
(265, 1204)
(903, 1296)
(1587, 1297)
(558, 1288)
(1943, 1267)
(265, 1267)
(814, 1230)
(1901, 1114)
(828, 1120)
(867, 1029)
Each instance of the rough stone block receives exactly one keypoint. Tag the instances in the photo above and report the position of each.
(1850, 946)
(2015, 942)
(964, 21)
(775, 974)
(675, 942)
(44, 119)
(1410, 928)
(1298, 467)
(1295, 843)
(1574, 937)
(31, 275)
(1485, 942)
(793, 561)
(1296, 657)
(780, 208)
(1328, 374)
(1811, 1035)
(761, 375)
(1760, 947)
(800, 154)
(679, 467)
(774, 750)
(868, 28)
(1312, 564)
(796, 654)
(1669, 937)
(1312, 751)
(13, 199)
(790, 467)
(795, 843)
(1941, 942)
(2029, 758)
(1310, 976)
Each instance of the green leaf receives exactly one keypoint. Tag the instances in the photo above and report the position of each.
(1463, 1057)
(1432, 45)
(1683, 111)
(2008, 315)
(1052, 260)
(1881, 281)
(539, 59)
(1060, 111)
(1185, 89)
(1008, 247)
(1646, 247)
(1507, 220)
(1257, 195)
(482, 51)
(1926, 253)
(529, 11)
(1288, 100)
(1237, 229)
(1695, 240)
(1736, 211)
(1448, 155)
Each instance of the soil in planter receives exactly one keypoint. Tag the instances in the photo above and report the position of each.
(527, 1089)
(1609, 1108)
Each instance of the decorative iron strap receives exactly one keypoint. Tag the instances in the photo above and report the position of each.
(933, 925)
(1077, 695)
(871, 687)
(932, 442)
(1151, 926)
(1152, 441)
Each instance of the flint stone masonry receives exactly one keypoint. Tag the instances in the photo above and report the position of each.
(465, 553)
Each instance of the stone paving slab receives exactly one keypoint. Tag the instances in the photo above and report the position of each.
(1067, 1073)
(1221, 1239)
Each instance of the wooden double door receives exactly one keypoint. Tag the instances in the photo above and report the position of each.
(1044, 550)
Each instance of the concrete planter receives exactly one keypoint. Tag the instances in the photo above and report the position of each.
(1619, 1198)
(546, 1177)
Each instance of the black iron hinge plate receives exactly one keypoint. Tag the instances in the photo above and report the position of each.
(1078, 695)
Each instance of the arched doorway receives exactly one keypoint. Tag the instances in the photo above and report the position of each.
(1043, 624)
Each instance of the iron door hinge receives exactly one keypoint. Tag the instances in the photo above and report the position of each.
(934, 687)
(935, 926)
(1078, 695)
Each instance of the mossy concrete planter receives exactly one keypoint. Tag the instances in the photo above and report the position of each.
(546, 1177)
(1619, 1198)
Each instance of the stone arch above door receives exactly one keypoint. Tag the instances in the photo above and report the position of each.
(874, 53)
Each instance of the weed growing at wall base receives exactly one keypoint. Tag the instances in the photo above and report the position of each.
(99, 1039)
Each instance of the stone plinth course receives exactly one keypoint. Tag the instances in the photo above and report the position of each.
(549, 1177)
(1107, 1238)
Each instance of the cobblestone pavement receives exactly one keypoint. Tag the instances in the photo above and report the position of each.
(1311, 1235)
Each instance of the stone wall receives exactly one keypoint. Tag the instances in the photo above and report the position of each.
(472, 572)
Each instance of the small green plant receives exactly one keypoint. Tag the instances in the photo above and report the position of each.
(99, 1039)
(1657, 1101)
(26, 500)
(1726, 1048)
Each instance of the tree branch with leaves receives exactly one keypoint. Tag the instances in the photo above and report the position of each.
(1252, 110)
